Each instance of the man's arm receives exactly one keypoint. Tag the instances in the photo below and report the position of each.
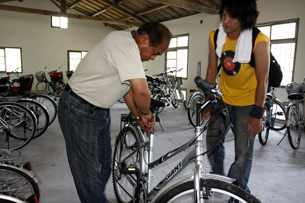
(212, 64)
(211, 74)
(262, 61)
(138, 101)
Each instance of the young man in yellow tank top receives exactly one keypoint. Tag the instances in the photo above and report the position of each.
(244, 87)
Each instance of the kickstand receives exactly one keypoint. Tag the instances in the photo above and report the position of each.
(286, 132)
(159, 121)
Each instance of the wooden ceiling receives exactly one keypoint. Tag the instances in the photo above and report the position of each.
(121, 14)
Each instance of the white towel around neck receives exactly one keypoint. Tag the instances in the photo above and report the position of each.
(243, 48)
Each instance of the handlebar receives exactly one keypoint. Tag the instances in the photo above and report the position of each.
(207, 88)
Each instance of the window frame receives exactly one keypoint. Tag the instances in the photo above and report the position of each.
(75, 51)
(179, 48)
(60, 26)
(284, 41)
(5, 63)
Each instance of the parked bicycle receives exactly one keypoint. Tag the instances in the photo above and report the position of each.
(274, 117)
(54, 87)
(18, 183)
(133, 163)
(167, 88)
(295, 113)
(17, 124)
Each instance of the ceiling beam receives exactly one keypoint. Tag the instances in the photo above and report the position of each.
(124, 11)
(3, 1)
(149, 10)
(74, 4)
(188, 5)
(72, 16)
(207, 2)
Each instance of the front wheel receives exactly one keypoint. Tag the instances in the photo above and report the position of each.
(42, 88)
(212, 191)
(294, 129)
(191, 108)
(278, 116)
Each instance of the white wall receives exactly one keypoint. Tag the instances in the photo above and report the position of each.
(270, 10)
(45, 46)
(42, 45)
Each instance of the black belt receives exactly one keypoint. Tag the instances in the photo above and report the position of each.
(81, 100)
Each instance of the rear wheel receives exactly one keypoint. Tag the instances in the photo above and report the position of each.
(294, 129)
(124, 183)
(57, 88)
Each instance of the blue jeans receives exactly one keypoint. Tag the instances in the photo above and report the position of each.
(240, 169)
(86, 130)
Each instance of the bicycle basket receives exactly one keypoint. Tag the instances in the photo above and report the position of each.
(295, 91)
(40, 76)
(56, 75)
(179, 80)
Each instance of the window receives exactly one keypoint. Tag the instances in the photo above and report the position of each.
(10, 59)
(59, 22)
(176, 56)
(74, 57)
(283, 38)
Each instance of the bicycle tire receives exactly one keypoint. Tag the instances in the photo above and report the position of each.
(175, 100)
(182, 97)
(264, 134)
(294, 129)
(21, 123)
(278, 116)
(23, 187)
(158, 94)
(42, 88)
(50, 104)
(123, 183)
(59, 88)
(11, 199)
(220, 191)
(41, 113)
(191, 109)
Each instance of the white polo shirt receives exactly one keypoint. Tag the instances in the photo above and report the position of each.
(102, 77)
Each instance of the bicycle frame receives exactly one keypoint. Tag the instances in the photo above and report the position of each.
(195, 155)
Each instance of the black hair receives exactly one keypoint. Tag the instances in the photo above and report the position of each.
(243, 10)
(157, 33)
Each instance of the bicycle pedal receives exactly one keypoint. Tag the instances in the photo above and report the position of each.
(131, 170)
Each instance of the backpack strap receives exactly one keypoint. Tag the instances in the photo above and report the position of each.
(215, 38)
(255, 32)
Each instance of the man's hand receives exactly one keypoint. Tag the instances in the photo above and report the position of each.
(148, 122)
(206, 114)
(256, 125)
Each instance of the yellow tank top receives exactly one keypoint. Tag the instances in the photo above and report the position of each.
(238, 80)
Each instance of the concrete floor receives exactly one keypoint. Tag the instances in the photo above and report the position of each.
(278, 171)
